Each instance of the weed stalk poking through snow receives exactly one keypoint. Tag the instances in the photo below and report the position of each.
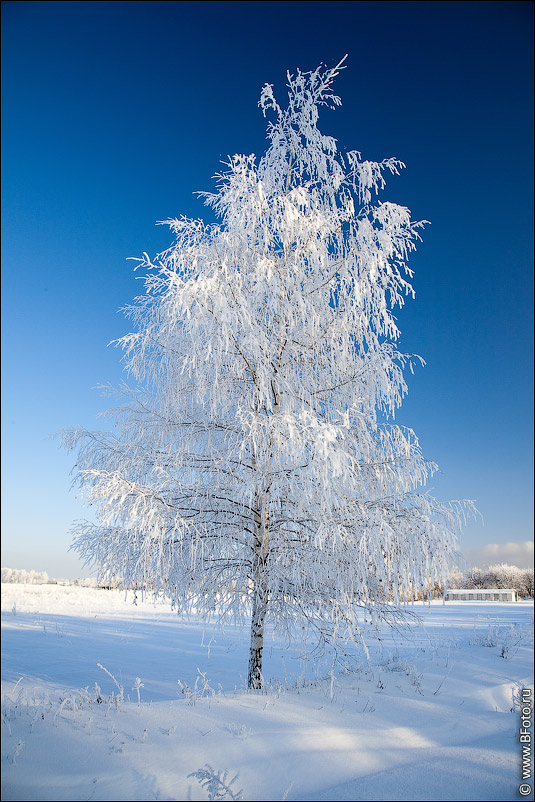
(120, 695)
(216, 785)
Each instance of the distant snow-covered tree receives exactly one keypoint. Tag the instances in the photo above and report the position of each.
(22, 577)
(457, 579)
(88, 582)
(255, 468)
(505, 575)
(526, 586)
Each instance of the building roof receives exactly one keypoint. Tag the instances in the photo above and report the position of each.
(481, 590)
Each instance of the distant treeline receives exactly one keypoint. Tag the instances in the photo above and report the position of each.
(21, 577)
(496, 576)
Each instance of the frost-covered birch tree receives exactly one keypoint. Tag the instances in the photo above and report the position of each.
(255, 469)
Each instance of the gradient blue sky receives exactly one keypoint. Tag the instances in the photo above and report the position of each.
(114, 113)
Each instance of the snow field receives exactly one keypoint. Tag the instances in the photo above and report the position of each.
(432, 716)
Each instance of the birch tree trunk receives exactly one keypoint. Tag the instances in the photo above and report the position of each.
(260, 595)
(255, 678)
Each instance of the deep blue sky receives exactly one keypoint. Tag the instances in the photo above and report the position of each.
(114, 113)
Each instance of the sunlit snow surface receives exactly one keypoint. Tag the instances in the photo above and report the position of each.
(430, 717)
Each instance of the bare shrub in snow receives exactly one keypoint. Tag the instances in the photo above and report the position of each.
(200, 690)
(215, 784)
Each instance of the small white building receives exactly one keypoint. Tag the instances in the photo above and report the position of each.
(482, 594)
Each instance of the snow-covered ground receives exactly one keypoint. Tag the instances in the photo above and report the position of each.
(433, 715)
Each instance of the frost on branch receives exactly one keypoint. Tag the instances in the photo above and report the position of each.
(255, 468)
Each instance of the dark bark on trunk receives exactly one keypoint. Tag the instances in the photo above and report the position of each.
(255, 679)
(260, 598)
